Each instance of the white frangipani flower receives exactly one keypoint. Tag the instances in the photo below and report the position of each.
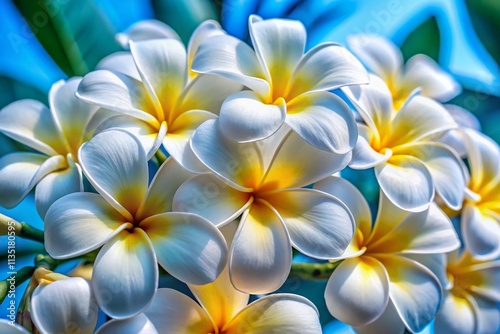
(286, 85)
(410, 165)
(132, 223)
(378, 287)
(162, 101)
(56, 135)
(223, 309)
(262, 181)
(421, 72)
(480, 220)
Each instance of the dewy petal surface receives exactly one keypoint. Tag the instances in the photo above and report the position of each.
(125, 275)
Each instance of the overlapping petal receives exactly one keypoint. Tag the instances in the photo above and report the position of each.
(481, 232)
(121, 62)
(146, 30)
(139, 324)
(388, 323)
(456, 315)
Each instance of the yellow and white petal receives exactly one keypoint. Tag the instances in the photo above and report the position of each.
(325, 67)
(173, 234)
(231, 58)
(239, 164)
(388, 323)
(261, 253)
(279, 45)
(118, 92)
(286, 171)
(484, 159)
(352, 198)
(207, 196)
(146, 30)
(378, 53)
(56, 185)
(121, 62)
(435, 263)
(62, 306)
(17, 172)
(320, 225)
(419, 119)
(79, 223)
(481, 232)
(357, 293)
(480, 279)
(426, 232)
(115, 163)
(323, 120)
(162, 64)
(488, 316)
(244, 117)
(456, 315)
(364, 156)
(204, 31)
(422, 71)
(125, 275)
(71, 115)
(30, 122)
(414, 290)
(174, 312)
(161, 191)
(139, 324)
(406, 182)
(279, 313)
(7, 327)
(446, 168)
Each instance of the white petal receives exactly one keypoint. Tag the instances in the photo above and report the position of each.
(173, 312)
(161, 191)
(125, 275)
(71, 115)
(323, 120)
(145, 30)
(244, 117)
(407, 182)
(388, 323)
(456, 315)
(162, 64)
(233, 59)
(488, 316)
(121, 62)
(327, 66)
(279, 313)
(16, 174)
(413, 289)
(481, 232)
(79, 223)
(177, 140)
(426, 232)
(115, 163)
(10, 327)
(319, 224)
(422, 71)
(118, 92)
(64, 305)
(204, 31)
(210, 198)
(363, 155)
(261, 253)
(240, 165)
(379, 54)
(435, 263)
(140, 324)
(173, 235)
(358, 291)
(56, 185)
(30, 123)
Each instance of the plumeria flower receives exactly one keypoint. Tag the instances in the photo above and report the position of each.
(410, 165)
(480, 220)
(222, 309)
(167, 102)
(55, 135)
(378, 288)
(133, 225)
(262, 181)
(285, 85)
(471, 296)
(421, 72)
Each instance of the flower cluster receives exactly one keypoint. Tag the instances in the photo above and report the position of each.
(211, 163)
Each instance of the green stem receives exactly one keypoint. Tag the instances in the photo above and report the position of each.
(313, 270)
(47, 262)
(20, 277)
(160, 157)
(30, 232)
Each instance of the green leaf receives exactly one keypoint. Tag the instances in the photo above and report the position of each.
(184, 15)
(425, 39)
(75, 33)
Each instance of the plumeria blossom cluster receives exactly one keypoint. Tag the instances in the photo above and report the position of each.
(211, 163)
